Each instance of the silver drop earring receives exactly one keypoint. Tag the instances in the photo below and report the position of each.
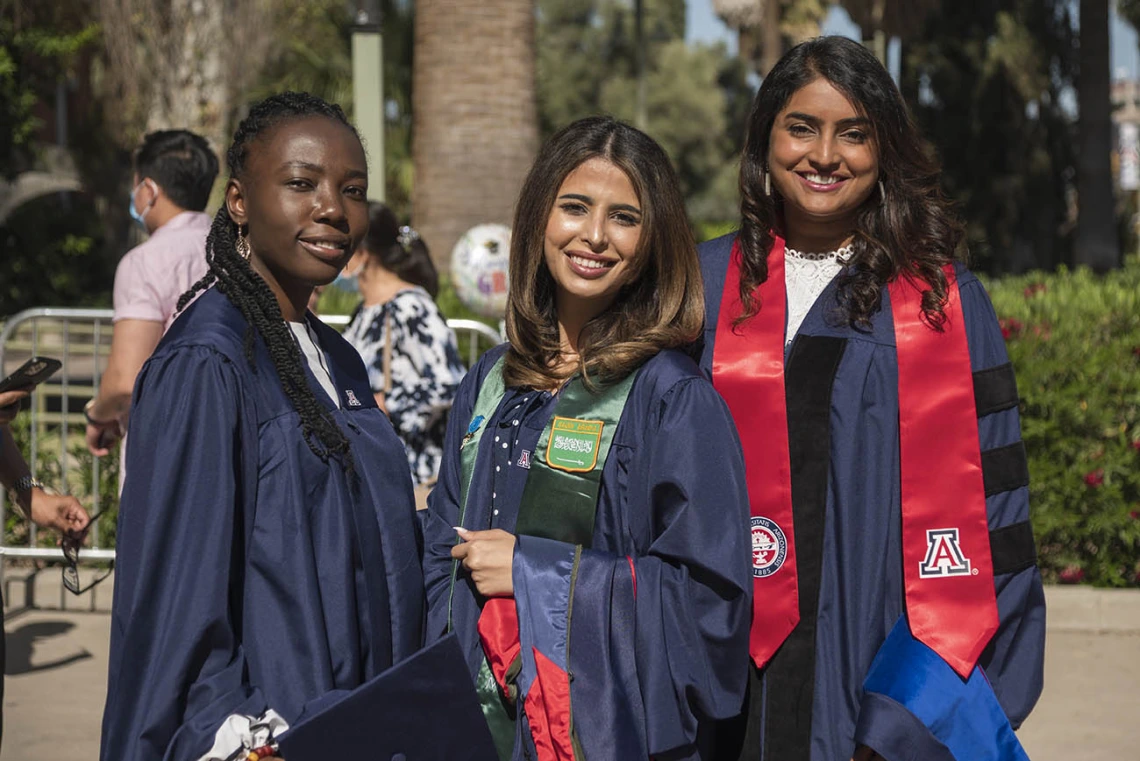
(767, 183)
(882, 191)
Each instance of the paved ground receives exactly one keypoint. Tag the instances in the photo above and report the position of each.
(55, 686)
(1088, 711)
(57, 667)
(56, 671)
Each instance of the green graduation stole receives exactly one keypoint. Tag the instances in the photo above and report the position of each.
(560, 498)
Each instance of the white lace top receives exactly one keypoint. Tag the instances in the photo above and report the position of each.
(805, 276)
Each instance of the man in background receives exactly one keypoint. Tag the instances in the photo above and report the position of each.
(174, 172)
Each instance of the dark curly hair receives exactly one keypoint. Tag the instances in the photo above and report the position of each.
(911, 229)
(235, 278)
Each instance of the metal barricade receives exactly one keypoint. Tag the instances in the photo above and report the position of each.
(56, 451)
(54, 445)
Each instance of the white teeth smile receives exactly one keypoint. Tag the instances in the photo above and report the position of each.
(325, 245)
(821, 179)
(590, 264)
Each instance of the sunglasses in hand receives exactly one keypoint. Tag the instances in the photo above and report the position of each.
(70, 546)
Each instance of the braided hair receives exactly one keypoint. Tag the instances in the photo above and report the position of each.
(236, 279)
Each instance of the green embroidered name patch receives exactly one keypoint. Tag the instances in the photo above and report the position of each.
(573, 444)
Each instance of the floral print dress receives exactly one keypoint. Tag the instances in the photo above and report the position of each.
(424, 368)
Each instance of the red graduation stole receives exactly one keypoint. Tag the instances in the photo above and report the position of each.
(948, 571)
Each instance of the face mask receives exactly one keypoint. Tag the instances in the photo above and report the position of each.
(140, 219)
(347, 281)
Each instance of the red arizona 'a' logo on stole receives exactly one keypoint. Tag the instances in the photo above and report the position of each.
(944, 555)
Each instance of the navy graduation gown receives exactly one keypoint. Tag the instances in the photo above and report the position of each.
(842, 397)
(250, 575)
(661, 599)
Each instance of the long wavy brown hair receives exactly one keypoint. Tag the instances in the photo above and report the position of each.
(910, 229)
(662, 306)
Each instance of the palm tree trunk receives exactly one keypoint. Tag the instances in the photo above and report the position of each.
(772, 40)
(879, 40)
(474, 115)
(1098, 245)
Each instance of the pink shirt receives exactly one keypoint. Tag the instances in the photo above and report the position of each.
(154, 274)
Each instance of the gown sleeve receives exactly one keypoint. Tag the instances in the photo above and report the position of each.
(619, 650)
(1013, 663)
(177, 668)
(1015, 660)
(443, 503)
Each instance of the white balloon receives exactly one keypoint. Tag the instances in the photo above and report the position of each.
(479, 269)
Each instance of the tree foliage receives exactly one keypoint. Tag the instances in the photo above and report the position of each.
(991, 82)
(768, 28)
(40, 46)
(311, 50)
(1129, 10)
(117, 84)
(51, 248)
(988, 82)
(697, 95)
(905, 19)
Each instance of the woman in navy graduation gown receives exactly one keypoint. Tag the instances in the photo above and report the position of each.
(267, 544)
(599, 579)
(893, 558)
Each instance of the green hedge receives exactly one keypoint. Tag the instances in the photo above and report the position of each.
(1074, 339)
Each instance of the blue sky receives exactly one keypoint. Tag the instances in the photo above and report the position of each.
(703, 25)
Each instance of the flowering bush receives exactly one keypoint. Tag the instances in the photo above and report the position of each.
(1074, 339)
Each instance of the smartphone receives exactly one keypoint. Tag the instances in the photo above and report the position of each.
(32, 373)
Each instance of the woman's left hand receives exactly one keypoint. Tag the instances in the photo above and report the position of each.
(488, 556)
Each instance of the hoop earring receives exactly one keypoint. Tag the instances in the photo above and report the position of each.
(242, 245)
(767, 183)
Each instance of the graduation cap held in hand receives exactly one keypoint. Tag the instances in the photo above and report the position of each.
(422, 709)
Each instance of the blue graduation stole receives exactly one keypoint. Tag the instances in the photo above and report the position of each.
(963, 715)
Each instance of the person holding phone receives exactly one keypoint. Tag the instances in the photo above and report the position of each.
(59, 512)
(54, 511)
